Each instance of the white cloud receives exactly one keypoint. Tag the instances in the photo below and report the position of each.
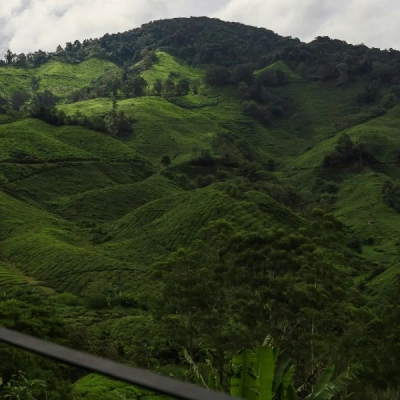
(373, 22)
(9, 7)
(29, 25)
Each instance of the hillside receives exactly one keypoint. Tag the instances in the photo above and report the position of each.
(196, 185)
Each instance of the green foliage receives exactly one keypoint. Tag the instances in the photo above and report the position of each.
(391, 195)
(60, 78)
(266, 374)
(165, 160)
(139, 86)
(262, 375)
(217, 76)
(368, 95)
(96, 387)
(245, 232)
(21, 388)
(18, 99)
(346, 153)
(245, 382)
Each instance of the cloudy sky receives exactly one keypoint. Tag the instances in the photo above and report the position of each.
(29, 25)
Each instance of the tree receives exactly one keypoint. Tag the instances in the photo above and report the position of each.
(77, 45)
(38, 57)
(35, 82)
(117, 124)
(243, 91)
(43, 106)
(217, 76)
(368, 95)
(169, 88)
(195, 86)
(302, 69)
(124, 126)
(45, 99)
(198, 303)
(243, 73)
(20, 60)
(271, 77)
(113, 117)
(165, 160)
(139, 86)
(182, 88)
(158, 87)
(18, 99)
(3, 105)
(59, 50)
(9, 56)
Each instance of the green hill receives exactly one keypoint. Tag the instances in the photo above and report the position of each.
(196, 186)
(61, 78)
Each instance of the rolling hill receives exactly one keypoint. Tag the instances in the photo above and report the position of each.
(257, 163)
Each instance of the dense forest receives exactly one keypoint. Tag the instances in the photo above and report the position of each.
(192, 194)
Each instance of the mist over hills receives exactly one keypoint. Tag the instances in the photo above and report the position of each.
(194, 185)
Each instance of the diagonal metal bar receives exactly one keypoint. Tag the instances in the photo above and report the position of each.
(135, 376)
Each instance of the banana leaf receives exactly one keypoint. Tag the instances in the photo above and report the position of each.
(245, 382)
(265, 369)
(323, 390)
(291, 393)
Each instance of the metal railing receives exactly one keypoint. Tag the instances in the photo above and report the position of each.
(135, 376)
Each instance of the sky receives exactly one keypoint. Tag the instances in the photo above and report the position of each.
(30, 25)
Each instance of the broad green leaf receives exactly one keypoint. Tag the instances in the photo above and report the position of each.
(245, 382)
(280, 367)
(265, 368)
(280, 392)
(291, 393)
(322, 389)
(287, 379)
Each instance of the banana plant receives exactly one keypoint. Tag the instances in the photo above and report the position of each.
(245, 382)
(267, 375)
(263, 375)
(326, 389)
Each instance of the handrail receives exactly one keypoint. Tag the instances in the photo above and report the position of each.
(135, 376)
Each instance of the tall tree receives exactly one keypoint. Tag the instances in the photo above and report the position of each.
(18, 99)
(182, 87)
(139, 86)
(9, 56)
(158, 87)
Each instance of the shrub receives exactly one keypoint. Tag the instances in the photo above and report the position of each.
(165, 160)
(217, 76)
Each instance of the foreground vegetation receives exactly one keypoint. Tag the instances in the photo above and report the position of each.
(170, 207)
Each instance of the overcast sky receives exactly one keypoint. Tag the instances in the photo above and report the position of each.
(30, 25)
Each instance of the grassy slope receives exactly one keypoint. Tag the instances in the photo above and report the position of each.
(11, 277)
(114, 202)
(67, 161)
(379, 133)
(60, 78)
(151, 232)
(161, 127)
(291, 76)
(100, 210)
(168, 67)
(360, 205)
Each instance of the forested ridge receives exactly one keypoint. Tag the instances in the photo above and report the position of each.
(180, 192)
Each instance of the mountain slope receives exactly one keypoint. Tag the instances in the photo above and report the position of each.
(195, 173)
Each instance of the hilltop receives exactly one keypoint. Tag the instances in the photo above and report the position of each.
(194, 173)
